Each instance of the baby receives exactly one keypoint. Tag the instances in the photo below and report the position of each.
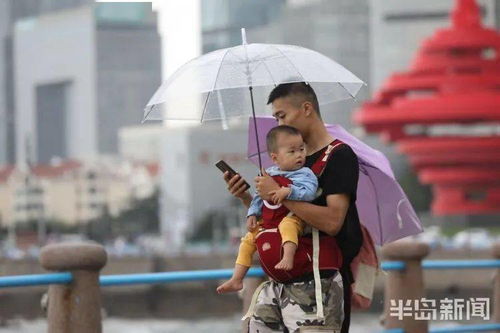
(286, 148)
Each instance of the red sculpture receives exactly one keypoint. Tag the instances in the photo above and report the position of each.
(444, 112)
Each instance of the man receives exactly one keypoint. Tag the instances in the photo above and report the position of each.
(286, 307)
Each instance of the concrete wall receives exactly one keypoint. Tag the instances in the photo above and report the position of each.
(54, 48)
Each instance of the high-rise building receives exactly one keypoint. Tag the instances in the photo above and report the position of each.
(4, 114)
(10, 12)
(81, 73)
(221, 20)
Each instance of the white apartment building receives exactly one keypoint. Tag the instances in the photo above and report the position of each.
(72, 192)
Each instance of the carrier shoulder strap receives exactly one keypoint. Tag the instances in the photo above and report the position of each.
(319, 165)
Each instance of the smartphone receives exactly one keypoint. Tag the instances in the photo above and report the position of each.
(223, 166)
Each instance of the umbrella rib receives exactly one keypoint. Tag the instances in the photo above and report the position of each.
(205, 106)
(378, 211)
(284, 56)
(353, 97)
(255, 154)
(215, 82)
(148, 113)
(267, 68)
(237, 56)
(255, 68)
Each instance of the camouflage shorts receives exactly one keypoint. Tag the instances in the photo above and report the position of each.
(292, 307)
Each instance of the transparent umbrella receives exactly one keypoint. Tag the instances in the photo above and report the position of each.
(236, 81)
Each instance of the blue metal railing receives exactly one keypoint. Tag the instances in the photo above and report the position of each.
(198, 275)
(467, 328)
(394, 330)
(444, 264)
(393, 265)
(125, 279)
(169, 277)
(460, 264)
(181, 276)
(463, 328)
(35, 280)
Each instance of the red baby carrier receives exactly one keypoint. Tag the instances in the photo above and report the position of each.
(328, 253)
(269, 245)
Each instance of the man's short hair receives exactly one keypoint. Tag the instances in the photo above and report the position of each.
(299, 89)
(272, 136)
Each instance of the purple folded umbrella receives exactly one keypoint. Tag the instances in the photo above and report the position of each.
(383, 207)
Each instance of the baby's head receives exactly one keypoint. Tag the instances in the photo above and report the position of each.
(286, 147)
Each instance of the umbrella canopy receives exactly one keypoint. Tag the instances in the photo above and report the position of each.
(382, 205)
(236, 81)
(216, 85)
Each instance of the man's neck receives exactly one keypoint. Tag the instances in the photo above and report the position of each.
(317, 138)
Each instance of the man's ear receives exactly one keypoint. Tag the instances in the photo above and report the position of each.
(308, 108)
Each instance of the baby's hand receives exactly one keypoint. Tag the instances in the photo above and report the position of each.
(279, 195)
(251, 223)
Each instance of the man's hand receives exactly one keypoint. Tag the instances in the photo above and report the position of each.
(252, 223)
(279, 195)
(264, 185)
(236, 186)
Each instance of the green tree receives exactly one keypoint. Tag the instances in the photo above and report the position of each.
(142, 217)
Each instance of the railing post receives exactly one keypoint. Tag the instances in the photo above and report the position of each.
(75, 307)
(496, 290)
(405, 285)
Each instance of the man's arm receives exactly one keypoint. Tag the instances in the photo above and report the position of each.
(236, 186)
(328, 219)
(246, 199)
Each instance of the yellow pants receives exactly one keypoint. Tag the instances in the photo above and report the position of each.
(290, 228)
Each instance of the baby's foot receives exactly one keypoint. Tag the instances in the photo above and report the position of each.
(230, 286)
(285, 264)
